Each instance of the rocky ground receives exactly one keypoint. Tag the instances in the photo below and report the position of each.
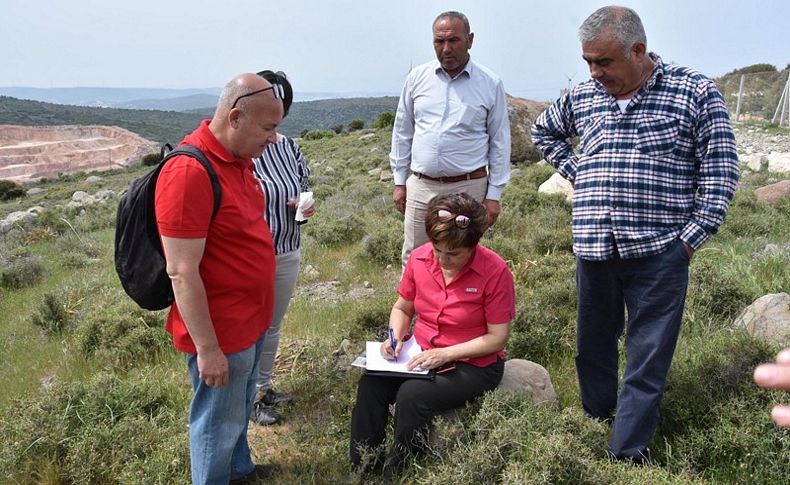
(762, 148)
(761, 140)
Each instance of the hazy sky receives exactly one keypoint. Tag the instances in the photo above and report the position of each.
(363, 46)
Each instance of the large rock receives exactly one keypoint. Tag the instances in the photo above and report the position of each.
(773, 193)
(521, 376)
(779, 162)
(529, 379)
(755, 161)
(522, 114)
(18, 218)
(32, 152)
(768, 318)
(556, 184)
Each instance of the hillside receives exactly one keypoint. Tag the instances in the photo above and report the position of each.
(160, 126)
(171, 126)
(93, 391)
(762, 88)
(325, 113)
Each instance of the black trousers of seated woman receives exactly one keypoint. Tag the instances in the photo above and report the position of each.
(417, 401)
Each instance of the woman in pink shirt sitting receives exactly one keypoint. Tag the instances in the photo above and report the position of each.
(464, 299)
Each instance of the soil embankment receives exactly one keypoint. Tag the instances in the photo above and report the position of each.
(32, 152)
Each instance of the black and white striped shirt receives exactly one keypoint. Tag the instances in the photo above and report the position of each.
(282, 171)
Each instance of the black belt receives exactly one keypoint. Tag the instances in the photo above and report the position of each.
(474, 174)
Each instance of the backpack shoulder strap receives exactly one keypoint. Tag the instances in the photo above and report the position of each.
(197, 154)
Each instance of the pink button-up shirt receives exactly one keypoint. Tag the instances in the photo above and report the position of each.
(482, 293)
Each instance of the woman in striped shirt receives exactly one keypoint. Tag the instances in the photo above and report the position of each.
(282, 171)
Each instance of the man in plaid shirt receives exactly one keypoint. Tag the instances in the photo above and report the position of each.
(653, 176)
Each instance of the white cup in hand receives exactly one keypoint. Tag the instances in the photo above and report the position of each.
(305, 202)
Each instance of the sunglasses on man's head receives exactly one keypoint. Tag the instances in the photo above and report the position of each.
(277, 91)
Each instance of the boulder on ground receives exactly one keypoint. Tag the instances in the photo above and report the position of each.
(556, 184)
(773, 193)
(779, 162)
(768, 318)
(529, 379)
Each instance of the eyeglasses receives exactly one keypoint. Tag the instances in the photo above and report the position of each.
(277, 91)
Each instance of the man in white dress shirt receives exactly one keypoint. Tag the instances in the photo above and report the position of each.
(451, 131)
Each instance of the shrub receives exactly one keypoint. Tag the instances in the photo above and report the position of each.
(337, 128)
(386, 119)
(123, 336)
(55, 313)
(318, 134)
(755, 68)
(333, 232)
(747, 217)
(11, 190)
(533, 444)
(152, 159)
(544, 327)
(98, 430)
(708, 371)
(97, 217)
(384, 245)
(740, 445)
(55, 219)
(356, 124)
(79, 251)
(370, 320)
(19, 269)
(535, 176)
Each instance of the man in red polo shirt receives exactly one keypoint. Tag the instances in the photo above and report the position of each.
(218, 268)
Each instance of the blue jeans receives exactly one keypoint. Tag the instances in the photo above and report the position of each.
(218, 418)
(653, 289)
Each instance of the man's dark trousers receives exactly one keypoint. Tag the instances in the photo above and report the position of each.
(653, 289)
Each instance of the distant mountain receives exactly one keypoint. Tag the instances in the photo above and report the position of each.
(181, 103)
(150, 98)
(96, 96)
(171, 126)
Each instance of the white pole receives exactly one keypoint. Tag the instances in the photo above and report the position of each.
(787, 102)
(738, 106)
(781, 102)
(786, 96)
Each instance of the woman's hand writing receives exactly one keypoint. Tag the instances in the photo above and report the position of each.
(387, 352)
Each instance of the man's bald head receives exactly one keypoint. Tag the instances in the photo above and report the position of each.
(247, 115)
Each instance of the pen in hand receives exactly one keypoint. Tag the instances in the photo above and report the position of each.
(393, 343)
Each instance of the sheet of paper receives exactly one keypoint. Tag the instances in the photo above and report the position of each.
(374, 360)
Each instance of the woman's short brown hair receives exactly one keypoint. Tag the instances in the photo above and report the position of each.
(461, 223)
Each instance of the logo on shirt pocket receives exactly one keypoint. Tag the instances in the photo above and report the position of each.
(471, 290)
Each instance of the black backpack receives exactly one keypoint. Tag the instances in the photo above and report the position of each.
(139, 259)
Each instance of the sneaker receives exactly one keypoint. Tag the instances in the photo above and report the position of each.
(275, 398)
(263, 414)
(260, 472)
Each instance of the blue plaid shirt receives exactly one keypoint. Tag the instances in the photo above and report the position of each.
(666, 168)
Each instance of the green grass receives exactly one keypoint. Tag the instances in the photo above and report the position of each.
(115, 403)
